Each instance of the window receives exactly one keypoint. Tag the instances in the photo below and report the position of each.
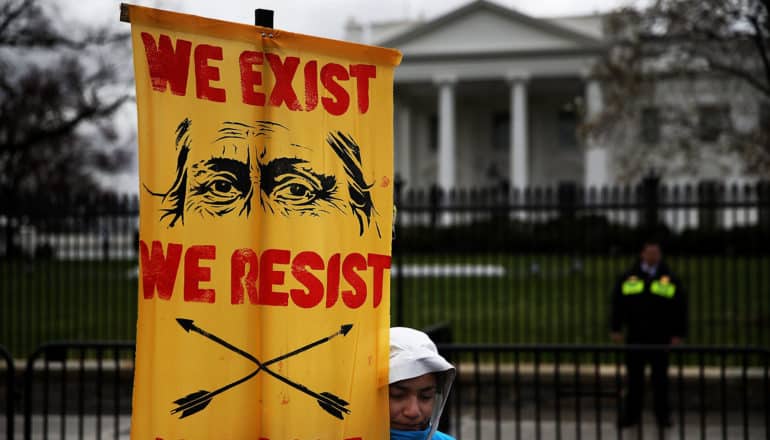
(433, 127)
(712, 121)
(764, 117)
(567, 127)
(501, 130)
(649, 128)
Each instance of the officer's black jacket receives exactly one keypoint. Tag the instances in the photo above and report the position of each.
(649, 318)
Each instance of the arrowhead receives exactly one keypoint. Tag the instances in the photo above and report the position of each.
(344, 329)
(187, 324)
(190, 398)
(192, 403)
(194, 409)
(331, 410)
(335, 399)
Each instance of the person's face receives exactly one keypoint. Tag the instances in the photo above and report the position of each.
(411, 402)
(651, 254)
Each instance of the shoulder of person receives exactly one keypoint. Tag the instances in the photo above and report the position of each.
(438, 435)
(665, 269)
(634, 270)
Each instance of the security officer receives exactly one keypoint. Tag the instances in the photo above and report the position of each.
(649, 302)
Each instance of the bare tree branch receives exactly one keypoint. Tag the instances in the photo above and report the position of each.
(762, 48)
(44, 106)
(9, 15)
(657, 51)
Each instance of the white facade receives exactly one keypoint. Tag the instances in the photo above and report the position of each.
(486, 95)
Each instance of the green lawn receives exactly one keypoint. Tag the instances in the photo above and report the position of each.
(56, 300)
(538, 299)
(547, 299)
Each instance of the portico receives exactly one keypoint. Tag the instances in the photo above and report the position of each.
(518, 130)
(486, 96)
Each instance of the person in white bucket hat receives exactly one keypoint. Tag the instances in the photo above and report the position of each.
(420, 380)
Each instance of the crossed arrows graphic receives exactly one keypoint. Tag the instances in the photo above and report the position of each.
(197, 401)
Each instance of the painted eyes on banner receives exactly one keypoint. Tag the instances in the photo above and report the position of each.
(228, 184)
(219, 189)
(222, 187)
(296, 191)
(217, 185)
(288, 186)
(291, 186)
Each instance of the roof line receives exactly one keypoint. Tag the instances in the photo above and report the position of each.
(543, 24)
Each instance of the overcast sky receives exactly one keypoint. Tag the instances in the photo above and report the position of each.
(325, 18)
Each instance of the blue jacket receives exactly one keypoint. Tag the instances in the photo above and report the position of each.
(397, 434)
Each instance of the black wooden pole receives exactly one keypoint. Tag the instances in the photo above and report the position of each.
(263, 17)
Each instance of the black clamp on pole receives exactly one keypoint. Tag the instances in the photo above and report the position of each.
(263, 17)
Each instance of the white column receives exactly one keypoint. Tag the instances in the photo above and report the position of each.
(403, 148)
(519, 160)
(446, 132)
(596, 156)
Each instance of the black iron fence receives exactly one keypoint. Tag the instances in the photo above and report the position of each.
(7, 392)
(68, 270)
(537, 266)
(78, 390)
(573, 392)
(82, 390)
(498, 265)
(704, 218)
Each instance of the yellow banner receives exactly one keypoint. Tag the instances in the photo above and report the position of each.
(266, 180)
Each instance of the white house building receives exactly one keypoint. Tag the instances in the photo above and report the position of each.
(488, 95)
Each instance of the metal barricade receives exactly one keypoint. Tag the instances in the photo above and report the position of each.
(79, 390)
(573, 392)
(83, 389)
(8, 396)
